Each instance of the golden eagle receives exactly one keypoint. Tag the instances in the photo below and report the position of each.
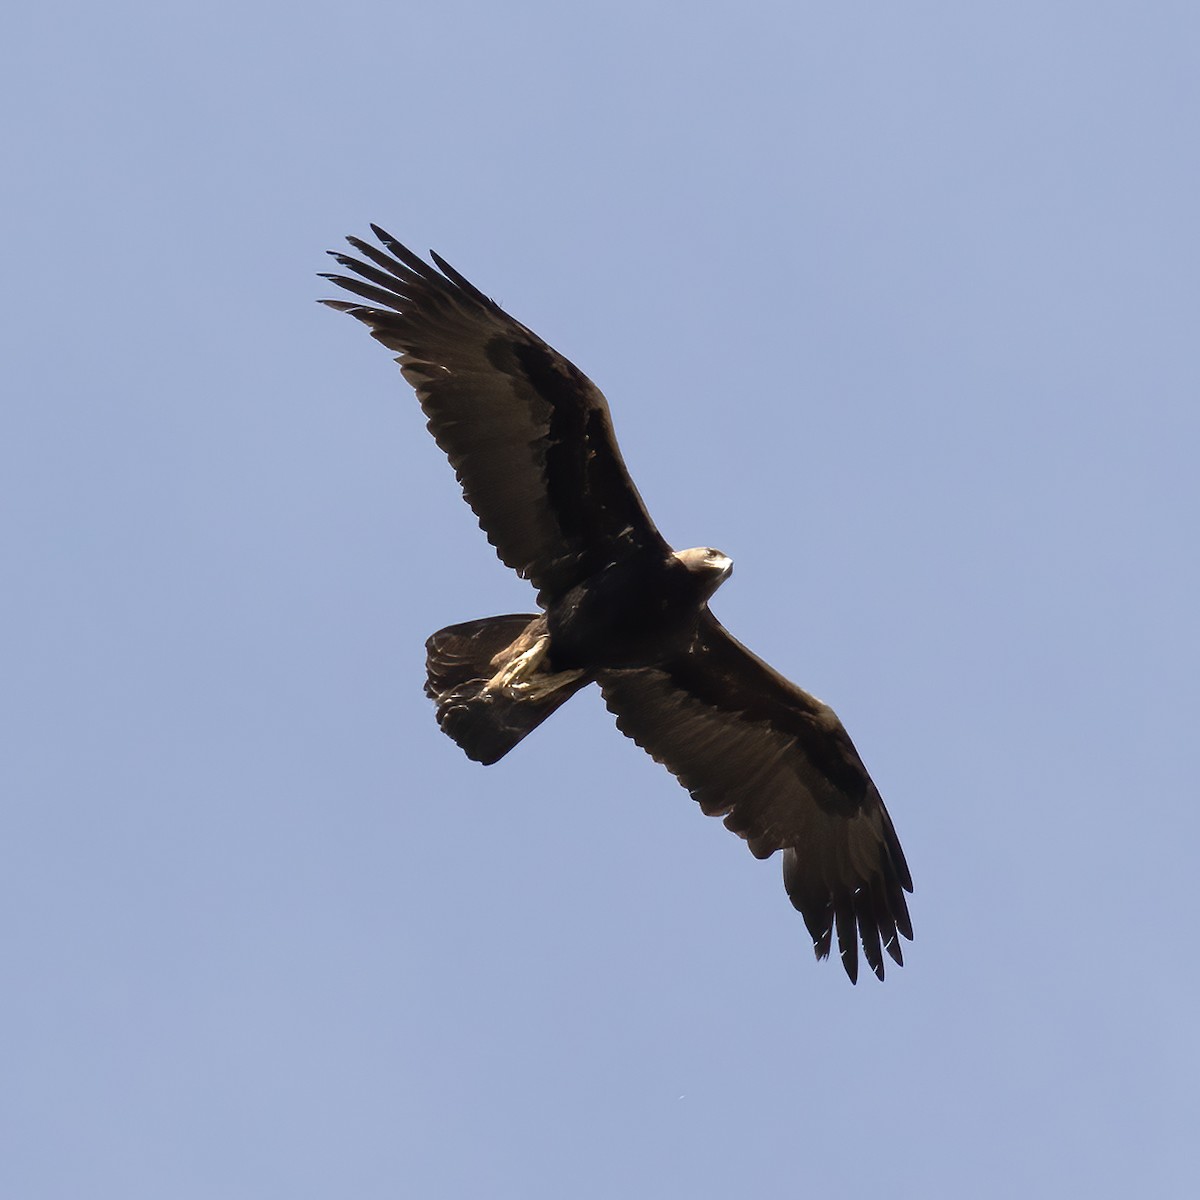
(532, 443)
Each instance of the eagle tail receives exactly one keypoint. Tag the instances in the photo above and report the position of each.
(485, 678)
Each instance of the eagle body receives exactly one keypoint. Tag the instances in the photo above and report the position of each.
(531, 440)
(639, 611)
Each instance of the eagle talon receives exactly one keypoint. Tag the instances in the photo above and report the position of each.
(515, 677)
(518, 679)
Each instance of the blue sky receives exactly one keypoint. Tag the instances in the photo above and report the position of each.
(895, 304)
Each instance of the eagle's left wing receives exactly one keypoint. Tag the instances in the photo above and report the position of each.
(528, 434)
(778, 765)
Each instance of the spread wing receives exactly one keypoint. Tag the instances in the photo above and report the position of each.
(778, 765)
(528, 434)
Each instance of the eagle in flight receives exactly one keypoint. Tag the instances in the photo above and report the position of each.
(532, 443)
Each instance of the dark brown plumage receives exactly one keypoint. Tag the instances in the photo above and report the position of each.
(532, 443)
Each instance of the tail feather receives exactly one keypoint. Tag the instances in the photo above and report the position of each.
(460, 659)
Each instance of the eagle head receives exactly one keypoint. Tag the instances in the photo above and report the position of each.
(708, 565)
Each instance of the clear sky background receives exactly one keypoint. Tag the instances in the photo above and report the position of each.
(897, 304)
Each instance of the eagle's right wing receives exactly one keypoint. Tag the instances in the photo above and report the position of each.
(778, 765)
(528, 434)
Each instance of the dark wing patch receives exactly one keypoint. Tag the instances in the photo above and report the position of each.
(778, 765)
(528, 434)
